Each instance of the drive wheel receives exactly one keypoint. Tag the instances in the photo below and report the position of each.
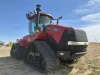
(17, 52)
(12, 53)
(41, 57)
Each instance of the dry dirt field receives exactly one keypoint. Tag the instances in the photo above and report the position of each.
(87, 65)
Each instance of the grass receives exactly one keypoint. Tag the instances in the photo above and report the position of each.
(86, 67)
(90, 63)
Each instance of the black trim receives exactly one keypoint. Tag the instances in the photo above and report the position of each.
(53, 44)
(73, 35)
(68, 35)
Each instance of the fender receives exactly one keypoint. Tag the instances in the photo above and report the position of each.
(26, 40)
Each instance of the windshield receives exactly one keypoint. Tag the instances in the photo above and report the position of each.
(43, 21)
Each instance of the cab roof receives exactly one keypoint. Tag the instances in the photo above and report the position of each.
(31, 16)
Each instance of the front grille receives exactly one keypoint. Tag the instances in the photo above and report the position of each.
(81, 35)
(68, 35)
(73, 35)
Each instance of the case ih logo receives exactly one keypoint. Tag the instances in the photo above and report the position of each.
(53, 29)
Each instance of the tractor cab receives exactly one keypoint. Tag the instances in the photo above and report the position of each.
(38, 21)
(44, 20)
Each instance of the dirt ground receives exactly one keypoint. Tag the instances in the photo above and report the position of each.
(87, 65)
(10, 66)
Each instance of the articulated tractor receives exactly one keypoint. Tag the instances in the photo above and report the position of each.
(48, 43)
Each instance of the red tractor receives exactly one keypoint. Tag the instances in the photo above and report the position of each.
(47, 44)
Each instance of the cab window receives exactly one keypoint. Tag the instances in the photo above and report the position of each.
(43, 21)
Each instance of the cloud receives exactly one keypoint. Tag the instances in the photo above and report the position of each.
(93, 32)
(90, 7)
(67, 21)
(92, 18)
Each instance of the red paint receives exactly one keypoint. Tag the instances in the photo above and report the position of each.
(26, 40)
(56, 35)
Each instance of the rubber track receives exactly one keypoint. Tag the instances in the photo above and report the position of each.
(52, 61)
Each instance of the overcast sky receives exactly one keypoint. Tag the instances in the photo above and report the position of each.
(84, 14)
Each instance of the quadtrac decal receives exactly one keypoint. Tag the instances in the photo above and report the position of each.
(53, 29)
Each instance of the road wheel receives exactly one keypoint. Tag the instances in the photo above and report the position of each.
(17, 51)
(41, 56)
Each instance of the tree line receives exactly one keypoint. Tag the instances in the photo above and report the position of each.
(9, 44)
